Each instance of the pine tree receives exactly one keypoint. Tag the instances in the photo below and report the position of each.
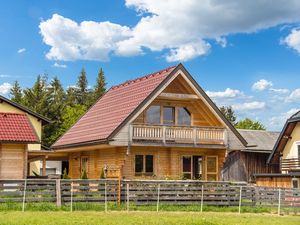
(229, 114)
(16, 93)
(82, 88)
(100, 86)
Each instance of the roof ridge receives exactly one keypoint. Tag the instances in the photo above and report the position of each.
(143, 77)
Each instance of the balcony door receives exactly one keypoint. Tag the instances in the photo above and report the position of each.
(192, 167)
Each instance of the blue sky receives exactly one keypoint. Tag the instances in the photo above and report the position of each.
(243, 54)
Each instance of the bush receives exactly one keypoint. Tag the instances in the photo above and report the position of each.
(66, 175)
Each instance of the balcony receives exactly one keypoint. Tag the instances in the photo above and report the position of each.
(177, 135)
(290, 165)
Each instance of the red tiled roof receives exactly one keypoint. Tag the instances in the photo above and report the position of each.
(112, 109)
(16, 127)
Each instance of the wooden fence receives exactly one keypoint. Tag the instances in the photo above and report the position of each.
(149, 192)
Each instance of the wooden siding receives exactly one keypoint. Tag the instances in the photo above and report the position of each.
(167, 161)
(240, 166)
(12, 161)
(283, 182)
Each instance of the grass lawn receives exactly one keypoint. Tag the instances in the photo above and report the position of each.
(89, 217)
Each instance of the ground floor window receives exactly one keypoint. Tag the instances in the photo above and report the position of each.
(144, 165)
(192, 167)
(211, 168)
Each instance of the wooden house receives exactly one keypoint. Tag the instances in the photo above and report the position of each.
(241, 164)
(162, 125)
(284, 158)
(20, 133)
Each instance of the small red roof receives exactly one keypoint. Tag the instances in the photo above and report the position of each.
(112, 109)
(16, 127)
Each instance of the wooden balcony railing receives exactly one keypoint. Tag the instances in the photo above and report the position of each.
(178, 134)
(292, 164)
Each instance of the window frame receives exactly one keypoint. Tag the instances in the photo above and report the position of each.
(173, 121)
(146, 115)
(144, 166)
(177, 116)
(217, 168)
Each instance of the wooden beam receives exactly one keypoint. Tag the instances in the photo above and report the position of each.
(44, 166)
(178, 96)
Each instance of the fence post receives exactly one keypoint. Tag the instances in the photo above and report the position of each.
(105, 196)
(58, 193)
(127, 196)
(202, 193)
(279, 200)
(157, 204)
(24, 195)
(71, 205)
(240, 201)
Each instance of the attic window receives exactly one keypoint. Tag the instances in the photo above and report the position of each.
(153, 114)
(184, 116)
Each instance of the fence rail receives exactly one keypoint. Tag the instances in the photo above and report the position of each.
(147, 192)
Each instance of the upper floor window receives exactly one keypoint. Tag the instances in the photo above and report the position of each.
(153, 114)
(184, 116)
(169, 115)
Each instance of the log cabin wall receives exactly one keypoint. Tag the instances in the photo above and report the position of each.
(280, 182)
(12, 161)
(167, 161)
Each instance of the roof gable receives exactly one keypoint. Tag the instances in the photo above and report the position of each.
(123, 103)
(286, 132)
(26, 110)
(112, 109)
(16, 127)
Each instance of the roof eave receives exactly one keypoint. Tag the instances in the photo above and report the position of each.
(81, 144)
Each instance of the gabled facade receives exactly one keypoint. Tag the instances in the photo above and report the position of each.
(157, 126)
(285, 157)
(20, 133)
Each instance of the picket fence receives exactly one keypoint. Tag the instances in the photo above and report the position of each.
(149, 192)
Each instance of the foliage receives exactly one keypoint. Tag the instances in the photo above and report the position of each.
(62, 107)
(16, 93)
(250, 124)
(66, 175)
(100, 86)
(102, 175)
(229, 114)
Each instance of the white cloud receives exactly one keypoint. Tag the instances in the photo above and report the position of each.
(58, 65)
(280, 90)
(294, 96)
(4, 75)
(184, 28)
(262, 85)
(278, 121)
(293, 40)
(221, 41)
(21, 50)
(187, 52)
(88, 40)
(249, 106)
(228, 93)
(5, 88)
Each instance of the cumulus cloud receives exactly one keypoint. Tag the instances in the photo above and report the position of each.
(87, 40)
(183, 29)
(293, 40)
(58, 65)
(294, 96)
(227, 93)
(5, 88)
(280, 90)
(262, 85)
(255, 105)
(21, 50)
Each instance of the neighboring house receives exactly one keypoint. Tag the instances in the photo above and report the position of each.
(285, 157)
(20, 133)
(240, 165)
(162, 125)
